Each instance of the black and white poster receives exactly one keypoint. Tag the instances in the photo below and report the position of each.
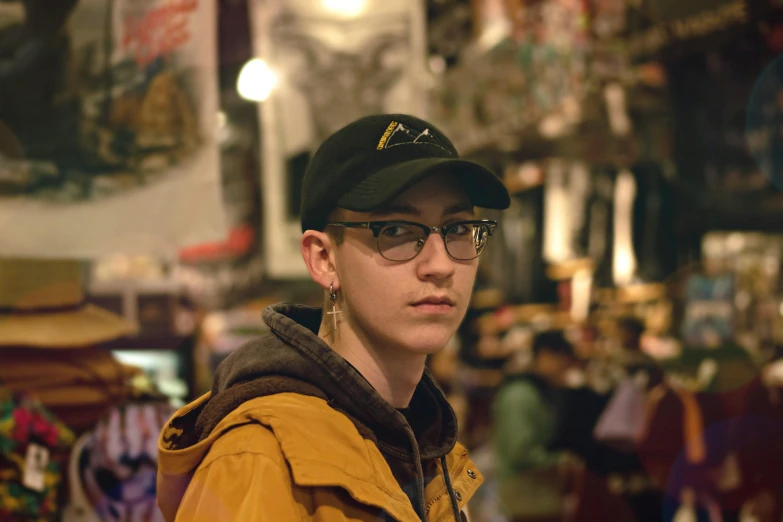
(334, 61)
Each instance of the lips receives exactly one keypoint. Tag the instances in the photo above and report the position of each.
(435, 301)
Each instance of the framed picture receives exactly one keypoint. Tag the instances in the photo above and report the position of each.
(108, 118)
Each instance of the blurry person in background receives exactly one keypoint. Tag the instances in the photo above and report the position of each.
(624, 461)
(630, 331)
(535, 477)
(632, 359)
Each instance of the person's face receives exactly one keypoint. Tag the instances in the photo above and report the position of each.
(382, 299)
(553, 366)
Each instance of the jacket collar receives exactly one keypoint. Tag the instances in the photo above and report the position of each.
(297, 326)
(336, 455)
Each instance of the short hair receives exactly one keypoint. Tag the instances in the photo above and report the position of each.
(552, 341)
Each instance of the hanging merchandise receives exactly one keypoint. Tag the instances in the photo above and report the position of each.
(491, 20)
(566, 194)
(709, 316)
(77, 385)
(617, 110)
(598, 233)
(579, 187)
(623, 256)
(533, 81)
(340, 61)
(574, 279)
(48, 336)
(108, 109)
(608, 18)
(622, 423)
(34, 449)
(450, 28)
(42, 305)
(654, 234)
(112, 469)
(557, 214)
(628, 228)
(754, 260)
(764, 122)
(514, 263)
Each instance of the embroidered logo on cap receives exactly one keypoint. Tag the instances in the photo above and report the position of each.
(398, 134)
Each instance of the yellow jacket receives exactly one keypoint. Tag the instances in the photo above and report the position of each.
(291, 457)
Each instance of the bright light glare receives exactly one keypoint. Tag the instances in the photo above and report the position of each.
(256, 80)
(345, 7)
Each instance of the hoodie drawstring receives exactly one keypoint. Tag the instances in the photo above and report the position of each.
(447, 478)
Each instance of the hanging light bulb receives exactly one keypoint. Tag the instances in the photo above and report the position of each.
(256, 80)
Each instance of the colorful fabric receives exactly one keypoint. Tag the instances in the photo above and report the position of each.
(119, 463)
(24, 422)
(526, 429)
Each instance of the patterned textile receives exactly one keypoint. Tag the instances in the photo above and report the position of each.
(118, 464)
(28, 430)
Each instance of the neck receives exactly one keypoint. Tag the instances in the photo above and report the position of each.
(390, 370)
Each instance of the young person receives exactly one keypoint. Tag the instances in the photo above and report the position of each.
(534, 474)
(333, 416)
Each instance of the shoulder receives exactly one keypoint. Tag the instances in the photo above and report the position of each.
(518, 391)
(518, 387)
(286, 420)
(252, 439)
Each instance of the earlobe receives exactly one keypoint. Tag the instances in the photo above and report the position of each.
(318, 256)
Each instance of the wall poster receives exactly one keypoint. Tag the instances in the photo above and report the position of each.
(335, 62)
(108, 116)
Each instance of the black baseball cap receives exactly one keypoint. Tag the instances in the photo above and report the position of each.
(369, 162)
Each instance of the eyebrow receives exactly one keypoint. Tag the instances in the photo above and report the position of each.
(410, 210)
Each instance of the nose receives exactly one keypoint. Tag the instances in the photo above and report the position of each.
(433, 260)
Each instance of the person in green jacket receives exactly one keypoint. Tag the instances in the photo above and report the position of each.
(533, 476)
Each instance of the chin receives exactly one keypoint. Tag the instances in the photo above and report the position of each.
(427, 340)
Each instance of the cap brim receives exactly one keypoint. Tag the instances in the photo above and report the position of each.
(483, 187)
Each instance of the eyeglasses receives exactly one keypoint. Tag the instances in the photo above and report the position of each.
(403, 240)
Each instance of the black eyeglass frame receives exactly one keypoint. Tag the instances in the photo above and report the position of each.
(377, 226)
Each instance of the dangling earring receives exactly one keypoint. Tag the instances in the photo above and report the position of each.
(335, 311)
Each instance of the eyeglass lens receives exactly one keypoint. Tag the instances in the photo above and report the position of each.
(404, 242)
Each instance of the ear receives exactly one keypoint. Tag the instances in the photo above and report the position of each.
(318, 253)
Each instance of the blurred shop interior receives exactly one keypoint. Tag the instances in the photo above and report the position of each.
(151, 158)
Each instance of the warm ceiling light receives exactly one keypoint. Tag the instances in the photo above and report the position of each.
(256, 80)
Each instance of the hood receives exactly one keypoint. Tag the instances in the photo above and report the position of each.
(292, 358)
(295, 355)
(301, 424)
